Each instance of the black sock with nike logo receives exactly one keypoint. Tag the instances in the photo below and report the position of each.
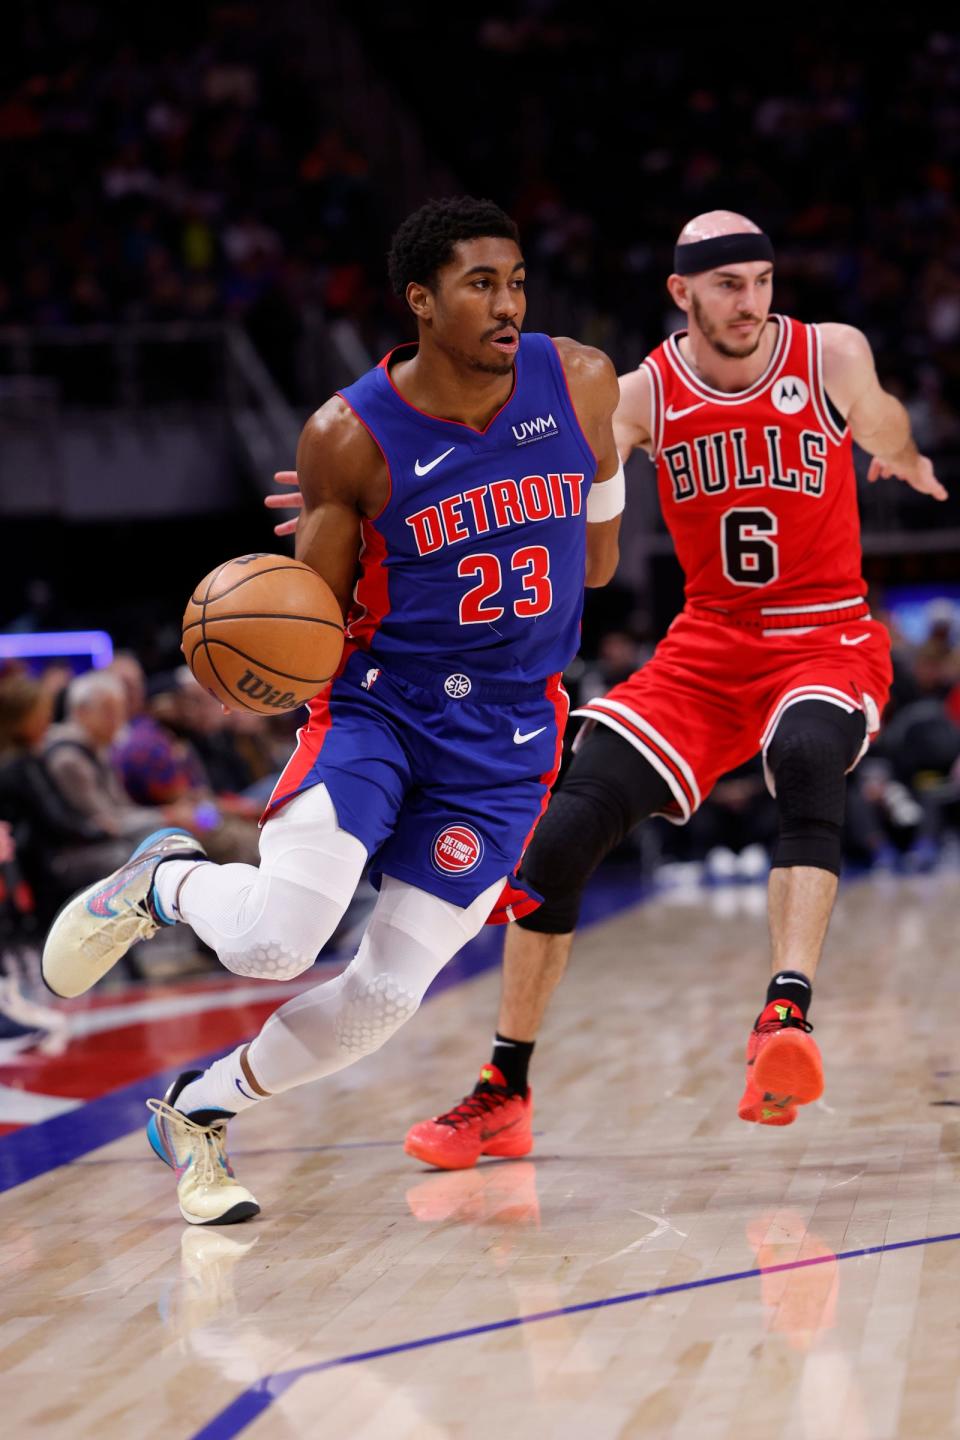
(791, 985)
(512, 1059)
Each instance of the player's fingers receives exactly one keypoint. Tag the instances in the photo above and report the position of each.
(283, 502)
(874, 471)
(288, 527)
(286, 477)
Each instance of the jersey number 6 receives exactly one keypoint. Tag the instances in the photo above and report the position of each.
(534, 563)
(749, 557)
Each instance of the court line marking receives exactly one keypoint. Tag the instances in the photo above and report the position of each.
(253, 1401)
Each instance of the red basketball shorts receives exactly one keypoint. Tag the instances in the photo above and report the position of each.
(713, 693)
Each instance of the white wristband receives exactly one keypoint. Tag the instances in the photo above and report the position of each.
(607, 499)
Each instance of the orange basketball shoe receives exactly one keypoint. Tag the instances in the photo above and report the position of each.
(784, 1068)
(491, 1121)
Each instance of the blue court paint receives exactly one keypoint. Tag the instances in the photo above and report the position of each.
(39, 1148)
(252, 1402)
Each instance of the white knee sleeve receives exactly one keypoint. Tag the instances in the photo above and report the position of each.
(411, 936)
(270, 921)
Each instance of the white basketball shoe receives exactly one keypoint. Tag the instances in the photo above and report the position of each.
(196, 1150)
(97, 927)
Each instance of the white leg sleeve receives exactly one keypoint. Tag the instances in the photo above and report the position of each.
(270, 921)
(411, 936)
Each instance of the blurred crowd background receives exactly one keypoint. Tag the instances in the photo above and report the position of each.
(199, 201)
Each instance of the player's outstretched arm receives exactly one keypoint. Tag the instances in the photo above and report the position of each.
(289, 499)
(342, 478)
(878, 422)
(632, 420)
(595, 395)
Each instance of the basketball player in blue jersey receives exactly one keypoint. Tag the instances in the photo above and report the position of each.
(456, 499)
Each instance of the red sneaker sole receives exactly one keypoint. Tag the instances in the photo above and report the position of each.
(437, 1158)
(511, 1148)
(789, 1065)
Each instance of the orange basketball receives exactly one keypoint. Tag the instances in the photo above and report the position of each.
(263, 633)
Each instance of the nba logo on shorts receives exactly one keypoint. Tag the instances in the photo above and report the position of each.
(457, 849)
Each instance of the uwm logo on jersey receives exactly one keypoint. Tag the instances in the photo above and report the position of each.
(538, 429)
(716, 463)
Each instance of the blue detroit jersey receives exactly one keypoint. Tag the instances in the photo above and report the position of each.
(477, 559)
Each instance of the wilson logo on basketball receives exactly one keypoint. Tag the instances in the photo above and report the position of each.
(266, 694)
(457, 850)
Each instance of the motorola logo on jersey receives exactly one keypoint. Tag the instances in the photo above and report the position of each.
(496, 506)
(790, 395)
(457, 849)
(714, 464)
(539, 429)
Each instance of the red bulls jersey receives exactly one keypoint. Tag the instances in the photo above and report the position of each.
(757, 487)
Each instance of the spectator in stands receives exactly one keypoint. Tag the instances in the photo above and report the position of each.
(79, 760)
(160, 766)
(58, 848)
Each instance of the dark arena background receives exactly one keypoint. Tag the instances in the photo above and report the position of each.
(198, 204)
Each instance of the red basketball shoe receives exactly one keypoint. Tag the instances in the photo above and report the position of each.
(784, 1068)
(491, 1121)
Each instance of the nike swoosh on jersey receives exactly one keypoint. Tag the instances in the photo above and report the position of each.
(425, 469)
(679, 414)
(853, 639)
(519, 739)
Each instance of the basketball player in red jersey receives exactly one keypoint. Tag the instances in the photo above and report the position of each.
(750, 418)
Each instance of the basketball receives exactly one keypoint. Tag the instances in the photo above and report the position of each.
(263, 633)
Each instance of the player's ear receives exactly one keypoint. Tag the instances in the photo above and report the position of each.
(420, 300)
(679, 288)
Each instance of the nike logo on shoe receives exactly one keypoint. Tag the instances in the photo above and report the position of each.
(519, 739)
(853, 639)
(673, 414)
(489, 1134)
(425, 469)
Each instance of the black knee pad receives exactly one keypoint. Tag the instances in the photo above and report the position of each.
(813, 747)
(608, 789)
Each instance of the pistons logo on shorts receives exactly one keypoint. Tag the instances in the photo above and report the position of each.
(457, 849)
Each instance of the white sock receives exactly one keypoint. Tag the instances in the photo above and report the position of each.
(224, 1086)
(167, 884)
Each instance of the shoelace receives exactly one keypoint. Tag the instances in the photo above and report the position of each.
(124, 928)
(792, 1022)
(207, 1142)
(481, 1102)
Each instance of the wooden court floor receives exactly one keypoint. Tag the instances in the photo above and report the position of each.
(656, 1269)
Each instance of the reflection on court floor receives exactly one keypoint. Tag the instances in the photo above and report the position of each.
(655, 1269)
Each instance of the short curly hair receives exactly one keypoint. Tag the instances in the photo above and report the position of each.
(424, 242)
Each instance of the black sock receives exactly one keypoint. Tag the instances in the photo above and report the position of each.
(791, 985)
(512, 1059)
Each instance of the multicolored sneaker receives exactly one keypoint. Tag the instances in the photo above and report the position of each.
(784, 1068)
(97, 927)
(491, 1121)
(207, 1189)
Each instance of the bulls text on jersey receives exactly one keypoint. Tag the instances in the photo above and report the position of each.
(715, 463)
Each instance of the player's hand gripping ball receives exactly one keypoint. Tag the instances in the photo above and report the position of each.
(263, 633)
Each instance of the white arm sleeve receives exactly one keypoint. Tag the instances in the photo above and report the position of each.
(607, 499)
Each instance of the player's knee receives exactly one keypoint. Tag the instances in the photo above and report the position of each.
(572, 838)
(808, 758)
(284, 938)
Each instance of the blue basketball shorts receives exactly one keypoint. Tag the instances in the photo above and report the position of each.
(441, 776)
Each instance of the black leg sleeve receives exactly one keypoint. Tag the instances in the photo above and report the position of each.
(609, 788)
